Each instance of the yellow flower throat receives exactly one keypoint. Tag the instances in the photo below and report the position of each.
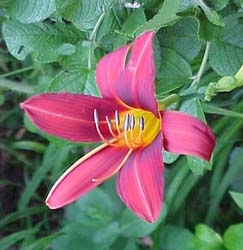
(133, 128)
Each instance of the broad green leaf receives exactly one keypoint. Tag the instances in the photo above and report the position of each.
(31, 11)
(75, 235)
(165, 17)
(45, 40)
(84, 14)
(211, 14)
(132, 23)
(132, 226)
(94, 209)
(226, 54)
(182, 37)
(217, 4)
(207, 239)
(80, 58)
(108, 25)
(79, 81)
(233, 239)
(173, 238)
(238, 198)
(174, 72)
(105, 236)
(197, 165)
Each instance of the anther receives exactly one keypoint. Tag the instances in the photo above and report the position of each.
(126, 127)
(126, 122)
(117, 122)
(108, 121)
(96, 119)
(141, 123)
(132, 122)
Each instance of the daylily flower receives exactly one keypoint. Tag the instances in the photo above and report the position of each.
(133, 131)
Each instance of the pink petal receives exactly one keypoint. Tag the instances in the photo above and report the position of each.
(77, 180)
(140, 182)
(185, 134)
(136, 83)
(109, 69)
(70, 116)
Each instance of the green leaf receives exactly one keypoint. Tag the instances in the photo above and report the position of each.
(173, 238)
(233, 239)
(238, 198)
(211, 15)
(94, 209)
(211, 109)
(45, 40)
(107, 235)
(197, 165)
(10, 240)
(174, 72)
(52, 157)
(132, 23)
(13, 217)
(80, 81)
(226, 54)
(84, 14)
(42, 243)
(29, 145)
(165, 17)
(132, 226)
(31, 11)
(207, 238)
(182, 37)
(217, 4)
(79, 59)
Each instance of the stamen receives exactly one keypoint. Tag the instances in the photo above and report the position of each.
(141, 128)
(126, 127)
(108, 121)
(117, 122)
(116, 170)
(141, 123)
(96, 119)
(132, 126)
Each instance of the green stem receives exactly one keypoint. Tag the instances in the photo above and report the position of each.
(92, 37)
(17, 71)
(16, 86)
(167, 101)
(202, 66)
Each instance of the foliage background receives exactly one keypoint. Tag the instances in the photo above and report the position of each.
(54, 46)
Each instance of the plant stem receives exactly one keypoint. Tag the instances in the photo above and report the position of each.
(167, 101)
(92, 37)
(16, 86)
(17, 71)
(202, 66)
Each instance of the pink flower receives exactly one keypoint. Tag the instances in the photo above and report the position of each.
(132, 129)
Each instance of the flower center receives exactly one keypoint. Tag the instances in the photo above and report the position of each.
(133, 128)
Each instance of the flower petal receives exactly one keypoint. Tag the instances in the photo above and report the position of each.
(70, 116)
(136, 83)
(140, 182)
(109, 69)
(185, 134)
(77, 180)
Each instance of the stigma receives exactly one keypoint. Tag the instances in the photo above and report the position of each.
(134, 128)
